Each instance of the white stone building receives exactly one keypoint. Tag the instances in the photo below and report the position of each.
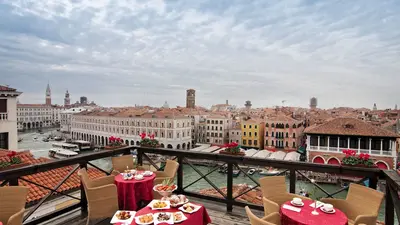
(172, 130)
(8, 118)
(218, 127)
(66, 118)
(31, 116)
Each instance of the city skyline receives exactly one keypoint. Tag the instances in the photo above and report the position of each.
(343, 53)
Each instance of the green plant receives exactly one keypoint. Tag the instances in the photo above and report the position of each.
(233, 148)
(351, 158)
(13, 160)
(148, 141)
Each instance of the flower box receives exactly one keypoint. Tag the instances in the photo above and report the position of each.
(151, 146)
(361, 165)
(231, 153)
(108, 147)
(14, 166)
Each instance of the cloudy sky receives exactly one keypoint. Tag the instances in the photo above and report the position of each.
(126, 52)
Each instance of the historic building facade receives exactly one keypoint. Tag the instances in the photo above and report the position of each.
(252, 133)
(172, 130)
(218, 127)
(326, 142)
(8, 118)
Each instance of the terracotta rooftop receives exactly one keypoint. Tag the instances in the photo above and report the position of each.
(129, 112)
(49, 178)
(349, 127)
(33, 105)
(5, 88)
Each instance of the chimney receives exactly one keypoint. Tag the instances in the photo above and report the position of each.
(227, 102)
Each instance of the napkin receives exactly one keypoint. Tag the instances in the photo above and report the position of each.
(289, 207)
(319, 204)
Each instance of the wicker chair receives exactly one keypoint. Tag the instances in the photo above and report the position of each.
(275, 194)
(120, 163)
(12, 204)
(271, 219)
(101, 195)
(170, 169)
(361, 205)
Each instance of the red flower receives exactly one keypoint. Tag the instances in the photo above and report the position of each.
(366, 156)
(234, 144)
(12, 154)
(112, 139)
(143, 135)
(151, 136)
(118, 139)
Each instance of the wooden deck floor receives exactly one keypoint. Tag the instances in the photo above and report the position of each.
(216, 211)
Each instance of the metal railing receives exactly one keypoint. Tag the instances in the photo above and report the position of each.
(187, 158)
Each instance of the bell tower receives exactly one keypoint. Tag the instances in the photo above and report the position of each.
(67, 100)
(48, 95)
(190, 98)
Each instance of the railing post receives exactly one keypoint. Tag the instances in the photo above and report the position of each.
(373, 182)
(83, 193)
(180, 174)
(139, 157)
(13, 182)
(292, 179)
(389, 206)
(229, 191)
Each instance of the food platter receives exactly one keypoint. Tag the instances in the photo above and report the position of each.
(176, 200)
(189, 208)
(123, 217)
(144, 219)
(158, 205)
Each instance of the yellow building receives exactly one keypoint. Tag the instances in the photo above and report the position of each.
(252, 133)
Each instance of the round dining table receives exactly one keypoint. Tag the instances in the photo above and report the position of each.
(200, 217)
(305, 217)
(132, 191)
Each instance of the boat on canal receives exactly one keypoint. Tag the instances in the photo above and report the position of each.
(270, 172)
(65, 146)
(61, 153)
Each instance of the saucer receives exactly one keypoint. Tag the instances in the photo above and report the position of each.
(302, 204)
(329, 212)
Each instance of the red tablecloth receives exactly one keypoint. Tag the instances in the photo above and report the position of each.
(132, 191)
(198, 218)
(304, 217)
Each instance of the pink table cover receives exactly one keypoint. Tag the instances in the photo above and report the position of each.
(132, 191)
(198, 218)
(304, 217)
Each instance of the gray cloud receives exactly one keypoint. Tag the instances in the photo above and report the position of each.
(145, 52)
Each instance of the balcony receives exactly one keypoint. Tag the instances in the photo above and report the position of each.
(3, 116)
(340, 150)
(223, 198)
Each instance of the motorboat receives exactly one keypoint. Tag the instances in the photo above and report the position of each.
(20, 139)
(58, 138)
(270, 172)
(61, 153)
(251, 171)
(45, 140)
(83, 145)
(66, 146)
(235, 173)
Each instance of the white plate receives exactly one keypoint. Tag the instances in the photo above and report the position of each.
(128, 221)
(302, 203)
(183, 217)
(329, 212)
(149, 173)
(180, 203)
(139, 178)
(170, 221)
(154, 201)
(137, 221)
(196, 208)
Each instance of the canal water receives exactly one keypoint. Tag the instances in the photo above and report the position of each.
(40, 149)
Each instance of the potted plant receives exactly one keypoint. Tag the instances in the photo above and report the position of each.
(232, 149)
(13, 162)
(114, 143)
(362, 160)
(148, 141)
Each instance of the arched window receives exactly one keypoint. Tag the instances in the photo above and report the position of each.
(287, 125)
(294, 135)
(271, 135)
(287, 134)
(266, 125)
(266, 134)
(266, 143)
(294, 125)
(272, 125)
(287, 144)
(272, 143)
(294, 144)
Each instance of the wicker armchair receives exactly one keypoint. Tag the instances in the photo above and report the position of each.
(101, 195)
(170, 169)
(271, 219)
(121, 162)
(12, 204)
(361, 205)
(275, 194)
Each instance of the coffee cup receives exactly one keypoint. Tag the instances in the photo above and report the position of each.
(328, 207)
(297, 201)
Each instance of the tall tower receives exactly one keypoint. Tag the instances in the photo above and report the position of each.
(375, 108)
(248, 105)
(313, 103)
(190, 98)
(67, 100)
(48, 95)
